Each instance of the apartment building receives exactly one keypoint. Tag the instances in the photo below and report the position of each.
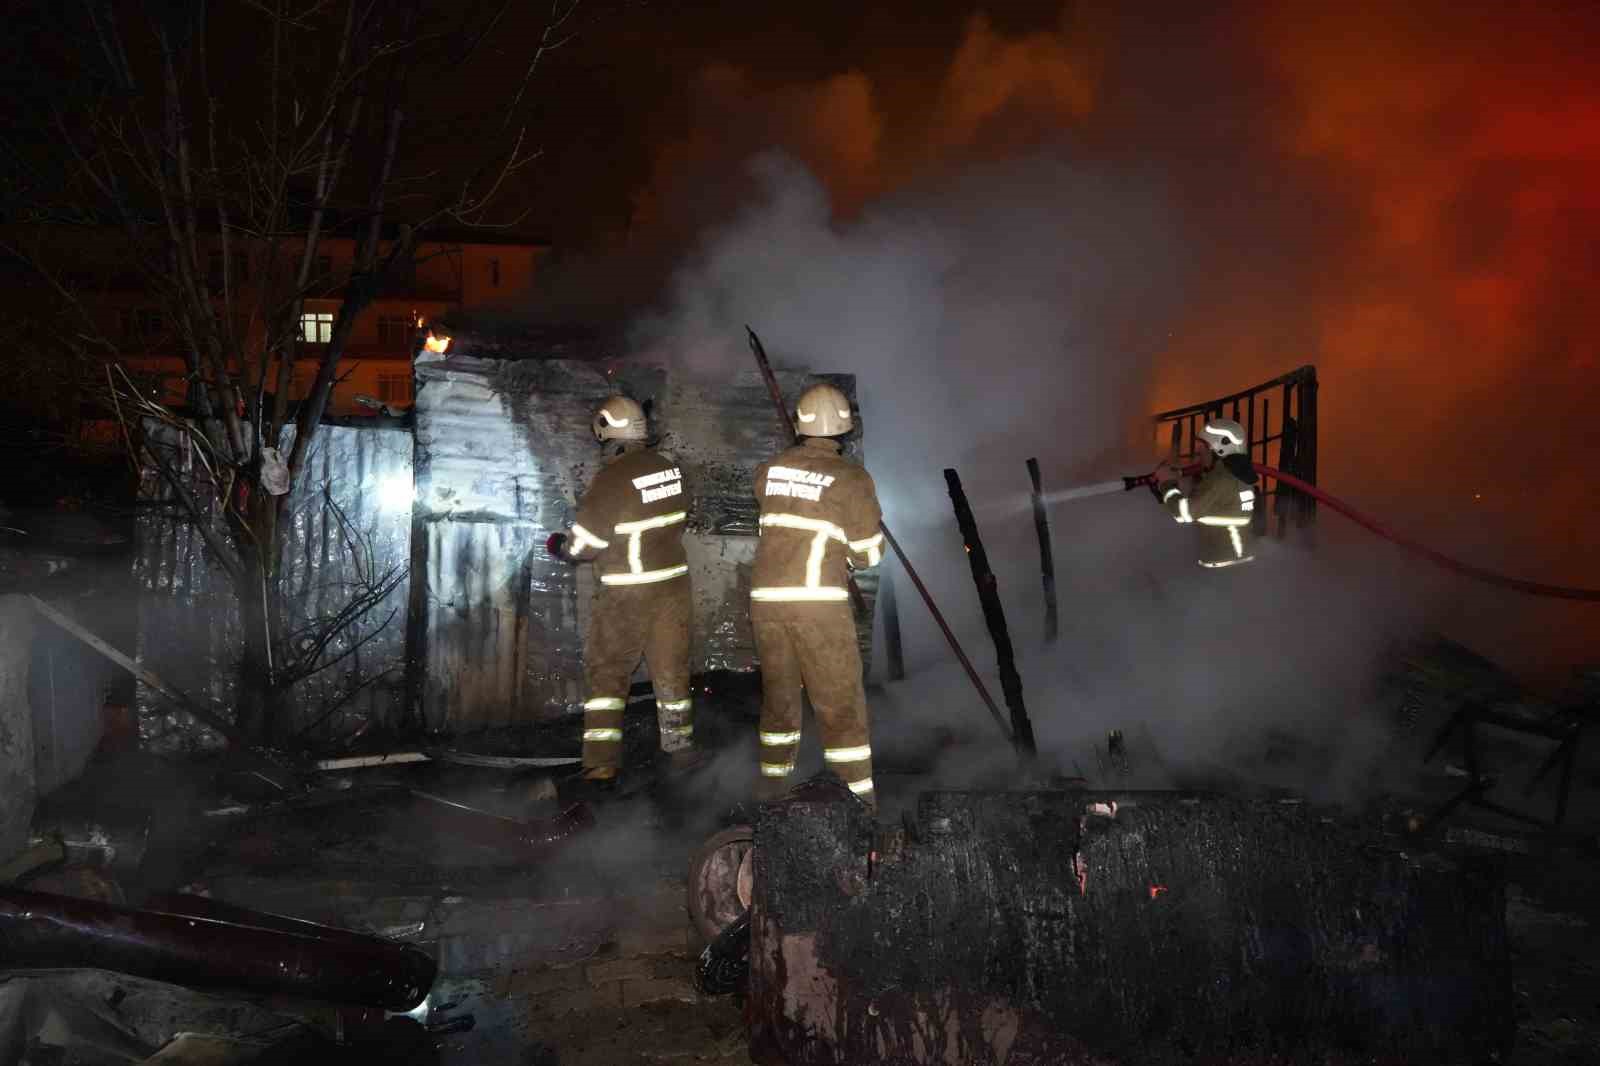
(448, 272)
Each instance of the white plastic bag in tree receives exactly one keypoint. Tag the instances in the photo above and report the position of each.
(274, 472)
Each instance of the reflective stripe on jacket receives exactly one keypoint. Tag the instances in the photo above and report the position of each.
(818, 509)
(631, 521)
(1221, 506)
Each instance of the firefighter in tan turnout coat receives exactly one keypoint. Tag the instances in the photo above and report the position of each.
(630, 525)
(819, 515)
(1222, 500)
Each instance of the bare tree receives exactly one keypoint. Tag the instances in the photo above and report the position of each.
(224, 143)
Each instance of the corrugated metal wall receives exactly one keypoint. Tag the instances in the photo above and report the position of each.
(503, 451)
(189, 626)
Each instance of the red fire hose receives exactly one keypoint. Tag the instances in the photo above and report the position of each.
(1477, 573)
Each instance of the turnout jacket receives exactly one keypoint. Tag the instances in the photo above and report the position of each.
(1221, 504)
(819, 513)
(631, 521)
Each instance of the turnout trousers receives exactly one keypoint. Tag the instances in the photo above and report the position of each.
(812, 646)
(628, 622)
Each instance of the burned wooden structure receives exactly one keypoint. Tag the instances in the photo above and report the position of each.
(1097, 928)
(1047, 564)
(442, 517)
(1281, 435)
(1481, 710)
(1562, 728)
(994, 617)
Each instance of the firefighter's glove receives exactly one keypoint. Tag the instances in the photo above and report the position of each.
(556, 546)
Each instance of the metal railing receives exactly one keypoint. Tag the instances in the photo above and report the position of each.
(1282, 435)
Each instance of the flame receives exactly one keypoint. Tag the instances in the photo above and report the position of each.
(1156, 890)
(420, 320)
(438, 344)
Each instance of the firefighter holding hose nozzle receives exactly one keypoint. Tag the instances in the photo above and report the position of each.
(1222, 498)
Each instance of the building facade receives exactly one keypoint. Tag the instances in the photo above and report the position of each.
(443, 276)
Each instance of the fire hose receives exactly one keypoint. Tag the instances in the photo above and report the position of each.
(1477, 573)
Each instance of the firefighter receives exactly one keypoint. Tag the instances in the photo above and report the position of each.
(819, 519)
(630, 525)
(1223, 498)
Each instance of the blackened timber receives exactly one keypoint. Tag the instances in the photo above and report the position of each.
(1082, 928)
(1047, 563)
(993, 616)
(894, 653)
(1308, 444)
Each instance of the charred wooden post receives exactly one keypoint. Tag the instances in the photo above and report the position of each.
(1308, 445)
(1047, 563)
(1118, 928)
(311, 962)
(993, 616)
(894, 653)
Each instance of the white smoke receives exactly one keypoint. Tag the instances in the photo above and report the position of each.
(1005, 312)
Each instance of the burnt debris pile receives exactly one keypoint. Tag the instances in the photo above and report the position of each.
(1092, 927)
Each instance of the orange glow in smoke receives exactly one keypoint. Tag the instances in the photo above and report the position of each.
(438, 344)
(1156, 890)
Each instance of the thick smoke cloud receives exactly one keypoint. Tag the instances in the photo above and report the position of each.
(1067, 229)
(1448, 312)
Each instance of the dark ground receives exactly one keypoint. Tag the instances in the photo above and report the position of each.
(587, 957)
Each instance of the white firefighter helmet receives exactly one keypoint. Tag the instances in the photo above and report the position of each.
(823, 411)
(619, 418)
(1225, 436)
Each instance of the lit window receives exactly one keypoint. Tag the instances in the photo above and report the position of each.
(394, 388)
(316, 327)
